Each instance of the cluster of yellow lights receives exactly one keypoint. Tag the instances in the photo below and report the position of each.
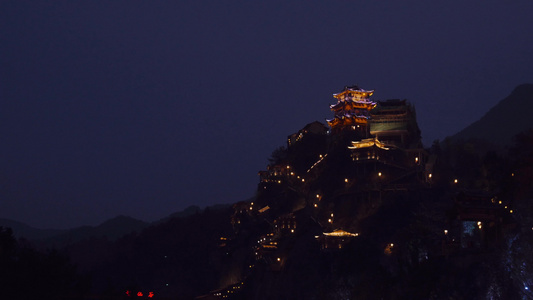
(479, 224)
(321, 158)
(340, 232)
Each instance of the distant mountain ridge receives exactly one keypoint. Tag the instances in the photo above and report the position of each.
(501, 123)
(31, 233)
(112, 229)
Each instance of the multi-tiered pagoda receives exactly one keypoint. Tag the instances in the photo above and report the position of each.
(352, 110)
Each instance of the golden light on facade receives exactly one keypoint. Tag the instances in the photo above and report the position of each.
(332, 215)
(345, 179)
(316, 205)
(329, 220)
(303, 180)
(317, 195)
(430, 175)
(455, 181)
(292, 230)
(445, 231)
(340, 233)
(279, 259)
(416, 159)
(511, 211)
(379, 174)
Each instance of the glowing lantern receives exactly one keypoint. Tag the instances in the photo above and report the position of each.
(139, 294)
(150, 294)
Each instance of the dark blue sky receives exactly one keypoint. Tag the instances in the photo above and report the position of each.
(145, 107)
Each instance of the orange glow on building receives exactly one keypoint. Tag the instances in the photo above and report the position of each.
(352, 109)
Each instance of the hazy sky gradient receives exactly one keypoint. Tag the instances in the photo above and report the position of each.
(145, 107)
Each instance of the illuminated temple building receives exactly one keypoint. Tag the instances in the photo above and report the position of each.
(352, 110)
(394, 123)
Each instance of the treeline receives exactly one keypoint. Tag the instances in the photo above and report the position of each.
(26, 273)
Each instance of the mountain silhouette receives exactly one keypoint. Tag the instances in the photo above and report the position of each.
(501, 123)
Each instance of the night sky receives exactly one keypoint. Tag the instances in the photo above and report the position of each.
(143, 108)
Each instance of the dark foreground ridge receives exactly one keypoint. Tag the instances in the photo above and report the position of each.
(352, 209)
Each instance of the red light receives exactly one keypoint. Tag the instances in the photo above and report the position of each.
(128, 293)
(150, 294)
(139, 294)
